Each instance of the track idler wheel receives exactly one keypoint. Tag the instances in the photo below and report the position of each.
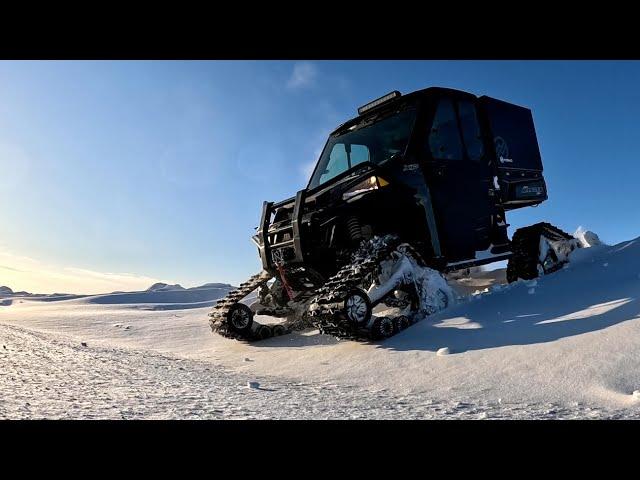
(240, 318)
(383, 327)
(357, 307)
(264, 332)
(278, 330)
(401, 323)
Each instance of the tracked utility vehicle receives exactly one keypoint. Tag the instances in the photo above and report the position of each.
(413, 187)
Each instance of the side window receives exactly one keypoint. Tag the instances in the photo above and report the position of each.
(444, 138)
(337, 163)
(470, 130)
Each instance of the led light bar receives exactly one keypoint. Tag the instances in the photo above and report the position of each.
(378, 101)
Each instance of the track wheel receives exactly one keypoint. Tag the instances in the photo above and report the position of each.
(240, 318)
(357, 307)
(401, 323)
(278, 330)
(264, 332)
(383, 327)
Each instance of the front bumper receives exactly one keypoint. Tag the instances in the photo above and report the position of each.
(272, 247)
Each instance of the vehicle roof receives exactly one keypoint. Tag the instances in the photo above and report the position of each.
(409, 97)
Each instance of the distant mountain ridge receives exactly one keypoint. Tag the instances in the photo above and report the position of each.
(156, 287)
(164, 287)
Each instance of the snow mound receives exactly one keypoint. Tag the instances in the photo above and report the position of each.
(587, 238)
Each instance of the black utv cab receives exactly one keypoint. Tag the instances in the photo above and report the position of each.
(439, 167)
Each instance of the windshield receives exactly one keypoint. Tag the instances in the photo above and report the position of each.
(373, 140)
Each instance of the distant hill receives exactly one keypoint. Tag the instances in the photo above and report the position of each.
(158, 292)
(163, 295)
(163, 287)
(212, 285)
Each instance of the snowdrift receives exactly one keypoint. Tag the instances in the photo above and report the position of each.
(597, 289)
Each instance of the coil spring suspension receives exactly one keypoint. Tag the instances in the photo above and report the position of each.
(354, 229)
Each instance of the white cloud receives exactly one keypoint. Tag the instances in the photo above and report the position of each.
(24, 273)
(304, 75)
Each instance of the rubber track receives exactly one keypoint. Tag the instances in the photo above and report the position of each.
(525, 246)
(322, 307)
(218, 315)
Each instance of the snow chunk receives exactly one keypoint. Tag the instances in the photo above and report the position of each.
(636, 395)
(434, 291)
(587, 238)
(443, 351)
(532, 291)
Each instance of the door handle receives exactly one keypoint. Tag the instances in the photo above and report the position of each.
(438, 171)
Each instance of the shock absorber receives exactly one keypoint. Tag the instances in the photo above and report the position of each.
(354, 229)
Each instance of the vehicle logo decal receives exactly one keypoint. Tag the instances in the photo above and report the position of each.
(410, 168)
(502, 150)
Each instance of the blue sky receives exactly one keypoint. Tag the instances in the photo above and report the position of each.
(116, 174)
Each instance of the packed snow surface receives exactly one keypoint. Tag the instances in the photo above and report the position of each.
(570, 350)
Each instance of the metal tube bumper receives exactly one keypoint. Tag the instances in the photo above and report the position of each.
(265, 247)
(296, 221)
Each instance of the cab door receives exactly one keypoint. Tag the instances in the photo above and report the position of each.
(459, 177)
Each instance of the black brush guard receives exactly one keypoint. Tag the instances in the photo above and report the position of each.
(273, 249)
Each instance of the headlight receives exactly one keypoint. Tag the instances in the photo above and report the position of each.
(367, 185)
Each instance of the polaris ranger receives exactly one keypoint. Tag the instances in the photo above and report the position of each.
(413, 187)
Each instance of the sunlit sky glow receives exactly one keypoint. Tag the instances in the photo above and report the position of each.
(114, 175)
